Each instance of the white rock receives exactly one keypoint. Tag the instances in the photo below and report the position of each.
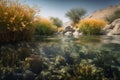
(68, 33)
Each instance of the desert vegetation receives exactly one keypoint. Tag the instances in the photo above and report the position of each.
(16, 21)
(91, 26)
(29, 51)
(75, 15)
(44, 26)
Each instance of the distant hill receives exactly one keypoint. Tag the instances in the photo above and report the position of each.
(103, 13)
(100, 14)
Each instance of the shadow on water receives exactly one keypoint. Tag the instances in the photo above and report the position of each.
(62, 58)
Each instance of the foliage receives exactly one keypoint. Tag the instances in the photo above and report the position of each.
(86, 72)
(75, 14)
(16, 21)
(91, 26)
(44, 26)
(12, 61)
(114, 16)
(57, 21)
(60, 29)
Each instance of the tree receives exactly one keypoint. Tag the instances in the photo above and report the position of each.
(57, 21)
(75, 14)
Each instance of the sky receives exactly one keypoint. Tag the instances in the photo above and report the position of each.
(58, 8)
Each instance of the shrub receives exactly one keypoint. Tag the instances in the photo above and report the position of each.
(44, 26)
(91, 26)
(57, 21)
(16, 21)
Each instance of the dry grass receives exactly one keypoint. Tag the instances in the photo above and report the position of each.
(91, 26)
(16, 21)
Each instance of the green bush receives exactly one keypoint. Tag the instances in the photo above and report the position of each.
(16, 21)
(57, 21)
(91, 26)
(44, 27)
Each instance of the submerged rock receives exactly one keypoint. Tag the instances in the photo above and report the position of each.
(36, 63)
(29, 75)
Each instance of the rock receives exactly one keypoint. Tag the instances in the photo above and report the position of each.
(29, 75)
(76, 34)
(115, 22)
(103, 13)
(116, 29)
(36, 63)
(113, 28)
(68, 29)
(108, 27)
(68, 33)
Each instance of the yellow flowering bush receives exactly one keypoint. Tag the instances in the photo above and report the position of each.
(91, 26)
(16, 21)
(44, 26)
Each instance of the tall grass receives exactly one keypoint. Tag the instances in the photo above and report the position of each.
(44, 26)
(16, 21)
(91, 26)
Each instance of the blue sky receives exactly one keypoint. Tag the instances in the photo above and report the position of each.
(58, 8)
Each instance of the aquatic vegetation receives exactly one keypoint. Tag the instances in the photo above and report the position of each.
(16, 21)
(66, 60)
(91, 26)
(86, 72)
(44, 26)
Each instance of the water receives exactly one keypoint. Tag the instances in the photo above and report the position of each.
(63, 58)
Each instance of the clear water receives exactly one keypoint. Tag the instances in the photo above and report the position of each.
(100, 53)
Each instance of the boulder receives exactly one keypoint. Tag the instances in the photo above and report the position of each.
(113, 28)
(68, 33)
(35, 62)
(68, 29)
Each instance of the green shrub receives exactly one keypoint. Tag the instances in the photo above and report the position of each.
(44, 27)
(91, 26)
(16, 21)
(57, 21)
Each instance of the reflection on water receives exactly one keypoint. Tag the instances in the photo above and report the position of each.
(62, 58)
